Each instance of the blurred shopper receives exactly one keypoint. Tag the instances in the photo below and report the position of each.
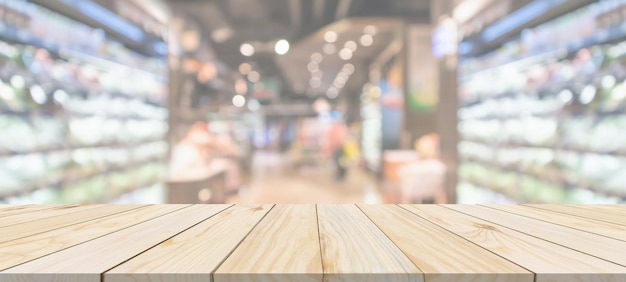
(337, 137)
(193, 151)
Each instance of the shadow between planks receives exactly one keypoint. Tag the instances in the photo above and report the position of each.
(313, 243)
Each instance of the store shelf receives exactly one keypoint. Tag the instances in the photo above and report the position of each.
(558, 148)
(555, 179)
(521, 242)
(116, 145)
(75, 179)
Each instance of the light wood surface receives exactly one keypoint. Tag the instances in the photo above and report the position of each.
(353, 248)
(441, 255)
(549, 261)
(29, 248)
(580, 211)
(603, 228)
(78, 215)
(432, 243)
(283, 247)
(197, 251)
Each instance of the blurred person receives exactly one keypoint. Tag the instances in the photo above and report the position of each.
(336, 139)
(193, 150)
(424, 178)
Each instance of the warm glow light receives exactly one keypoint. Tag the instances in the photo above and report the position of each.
(350, 45)
(345, 54)
(312, 66)
(367, 40)
(329, 48)
(254, 76)
(241, 87)
(239, 101)
(332, 93)
(330, 36)
(245, 68)
(370, 30)
(281, 47)
(316, 57)
(348, 68)
(246, 49)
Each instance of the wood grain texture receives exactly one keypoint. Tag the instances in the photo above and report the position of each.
(284, 246)
(441, 255)
(599, 246)
(607, 229)
(354, 249)
(616, 209)
(29, 248)
(194, 254)
(78, 215)
(586, 213)
(6, 210)
(46, 212)
(549, 261)
(87, 261)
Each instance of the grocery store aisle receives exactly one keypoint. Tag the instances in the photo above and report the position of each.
(274, 180)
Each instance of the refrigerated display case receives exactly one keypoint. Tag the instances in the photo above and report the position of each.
(542, 117)
(83, 118)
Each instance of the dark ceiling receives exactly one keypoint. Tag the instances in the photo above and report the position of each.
(230, 23)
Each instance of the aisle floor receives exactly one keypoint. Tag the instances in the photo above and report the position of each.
(274, 179)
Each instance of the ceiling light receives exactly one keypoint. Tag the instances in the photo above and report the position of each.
(316, 82)
(587, 95)
(281, 47)
(329, 48)
(332, 92)
(345, 54)
(350, 45)
(330, 36)
(239, 101)
(38, 94)
(246, 49)
(245, 68)
(349, 68)
(316, 57)
(254, 76)
(338, 84)
(367, 40)
(313, 66)
(370, 30)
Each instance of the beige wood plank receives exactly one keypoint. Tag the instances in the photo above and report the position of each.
(284, 246)
(354, 249)
(441, 255)
(599, 246)
(592, 226)
(7, 210)
(194, 254)
(586, 213)
(87, 261)
(616, 209)
(40, 213)
(549, 261)
(79, 214)
(29, 248)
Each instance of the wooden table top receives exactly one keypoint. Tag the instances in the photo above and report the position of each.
(312, 243)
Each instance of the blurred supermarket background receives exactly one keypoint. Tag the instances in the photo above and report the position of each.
(312, 101)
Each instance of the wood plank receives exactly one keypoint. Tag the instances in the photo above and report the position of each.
(283, 247)
(194, 254)
(47, 212)
(616, 209)
(586, 213)
(549, 261)
(441, 255)
(29, 248)
(354, 249)
(78, 215)
(87, 261)
(7, 210)
(607, 229)
(599, 246)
